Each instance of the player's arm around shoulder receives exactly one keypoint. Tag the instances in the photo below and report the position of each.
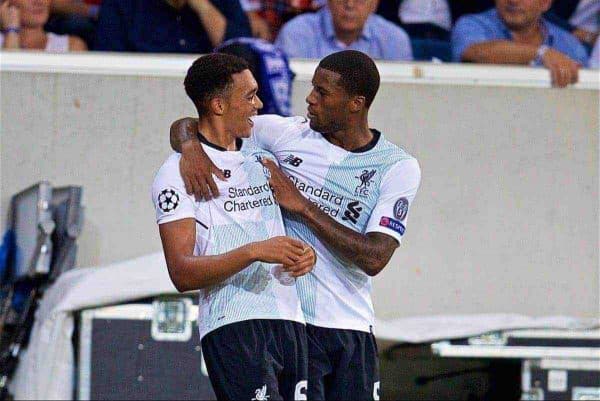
(176, 216)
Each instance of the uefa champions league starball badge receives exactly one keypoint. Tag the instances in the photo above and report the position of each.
(168, 200)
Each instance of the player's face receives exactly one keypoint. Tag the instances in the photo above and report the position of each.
(520, 14)
(34, 13)
(328, 103)
(241, 105)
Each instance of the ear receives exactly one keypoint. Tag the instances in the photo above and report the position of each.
(357, 103)
(217, 105)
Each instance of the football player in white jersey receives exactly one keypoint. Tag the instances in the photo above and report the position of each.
(233, 248)
(346, 190)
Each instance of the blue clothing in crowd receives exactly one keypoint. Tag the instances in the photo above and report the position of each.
(313, 36)
(488, 26)
(154, 26)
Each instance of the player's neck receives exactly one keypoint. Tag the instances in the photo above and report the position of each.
(215, 133)
(354, 137)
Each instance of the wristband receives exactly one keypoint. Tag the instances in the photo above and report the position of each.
(11, 30)
(539, 55)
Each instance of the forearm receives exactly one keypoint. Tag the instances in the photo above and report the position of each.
(355, 248)
(500, 52)
(182, 131)
(214, 22)
(190, 273)
(70, 7)
(12, 40)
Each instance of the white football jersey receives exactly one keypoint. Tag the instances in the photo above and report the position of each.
(368, 190)
(244, 212)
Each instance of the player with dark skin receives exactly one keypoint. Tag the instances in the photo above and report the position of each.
(342, 118)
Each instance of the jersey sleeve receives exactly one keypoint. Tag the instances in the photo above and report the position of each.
(396, 194)
(271, 132)
(169, 197)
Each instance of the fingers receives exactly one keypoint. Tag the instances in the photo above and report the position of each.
(219, 173)
(269, 164)
(299, 245)
(212, 186)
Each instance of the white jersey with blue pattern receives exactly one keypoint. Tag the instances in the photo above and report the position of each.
(244, 212)
(368, 190)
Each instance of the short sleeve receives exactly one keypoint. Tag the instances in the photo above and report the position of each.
(169, 197)
(396, 193)
(271, 131)
(468, 31)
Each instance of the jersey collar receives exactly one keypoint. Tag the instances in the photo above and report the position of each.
(202, 138)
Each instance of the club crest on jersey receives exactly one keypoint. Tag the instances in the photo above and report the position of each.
(401, 209)
(260, 394)
(392, 224)
(168, 200)
(366, 179)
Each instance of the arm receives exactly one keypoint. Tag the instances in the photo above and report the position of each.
(195, 166)
(10, 19)
(76, 44)
(370, 252)
(189, 272)
(214, 22)
(76, 7)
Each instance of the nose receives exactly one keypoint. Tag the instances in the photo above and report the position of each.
(310, 99)
(259, 103)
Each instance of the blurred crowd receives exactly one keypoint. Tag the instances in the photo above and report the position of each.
(561, 35)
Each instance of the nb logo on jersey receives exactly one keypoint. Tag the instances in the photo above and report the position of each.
(227, 173)
(293, 160)
(365, 182)
(352, 212)
(260, 394)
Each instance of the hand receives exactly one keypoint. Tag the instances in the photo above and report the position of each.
(259, 26)
(564, 71)
(304, 265)
(197, 171)
(283, 250)
(10, 15)
(585, 36)
(286, 194)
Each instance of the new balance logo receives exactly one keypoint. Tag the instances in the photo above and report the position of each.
(260, 394)
(352, 213)
(293, 160)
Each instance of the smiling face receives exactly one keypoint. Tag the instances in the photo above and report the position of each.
(241, 103)
(521, 14)
(328, 103)
(34, 13)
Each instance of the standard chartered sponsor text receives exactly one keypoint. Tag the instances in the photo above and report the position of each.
(321, 194)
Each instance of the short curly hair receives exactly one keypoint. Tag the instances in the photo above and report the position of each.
(210, 76)
(359, 74)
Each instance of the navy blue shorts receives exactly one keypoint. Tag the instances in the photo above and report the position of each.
(258, 360)
(343, 364)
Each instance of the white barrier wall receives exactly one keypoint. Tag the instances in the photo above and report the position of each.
(506, 219)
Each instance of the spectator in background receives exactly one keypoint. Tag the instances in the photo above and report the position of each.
(580, 17)
(22, 23)
(344, 24)
(74, 17)
(516, 33)
(267, 16)
(169, 26)
(595, 57)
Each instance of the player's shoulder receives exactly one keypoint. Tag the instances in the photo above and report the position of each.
(396, 160)
(168, 174)
(274, 121)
